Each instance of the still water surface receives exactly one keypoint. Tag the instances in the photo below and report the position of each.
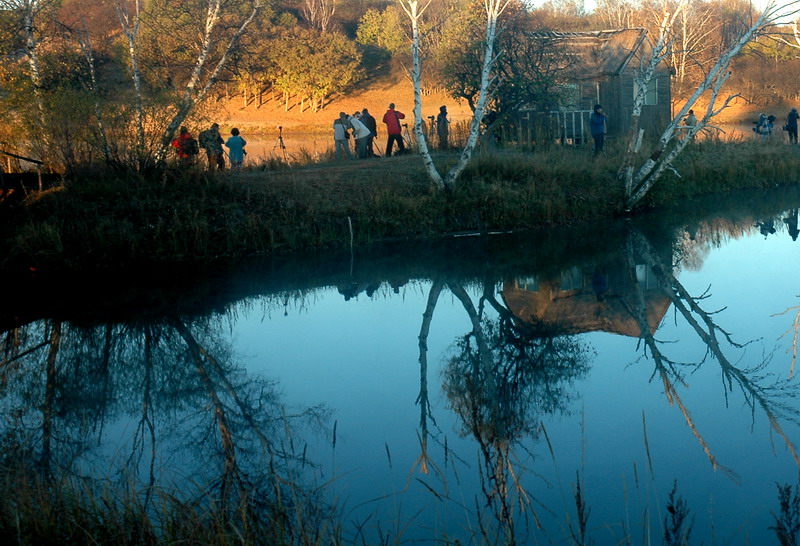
(463, 390)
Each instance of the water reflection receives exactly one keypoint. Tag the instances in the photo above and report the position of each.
(509, 371)
(162, 399)
(155, 409)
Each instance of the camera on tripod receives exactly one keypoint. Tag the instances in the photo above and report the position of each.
(431, 118)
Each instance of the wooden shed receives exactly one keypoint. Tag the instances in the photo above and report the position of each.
(604, 65)
(590, 298)
(608, 62)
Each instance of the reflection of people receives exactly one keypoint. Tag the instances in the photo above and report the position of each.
(600, 284)
(766, 227)
(791, 224)
(340, 136)
(791, 125)
(598, 127)
(353, 289)
(392, 120)
(211, 141)
(443, 127)
(236, 151)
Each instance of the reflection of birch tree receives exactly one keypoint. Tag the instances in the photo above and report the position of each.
(499, 377)
(795, 331)
(750, 382)
(169, 378)
(422, 397)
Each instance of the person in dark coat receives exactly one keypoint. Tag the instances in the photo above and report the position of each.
(598, 127)
(791, 125)
(443, 128)
(372, 125)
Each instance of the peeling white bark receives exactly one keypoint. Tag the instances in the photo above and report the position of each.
(494, 9)
(414, 12)
(638, 184)
(129, 23)
(86, 47)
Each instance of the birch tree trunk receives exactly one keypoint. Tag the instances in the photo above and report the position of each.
(642, 79)
(30, 10)
(130, 28)
(414, 13)
(639, 183)
(494, 9)
(86, 48)
(196, 89)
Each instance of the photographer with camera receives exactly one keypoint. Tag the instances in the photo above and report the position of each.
(392, 120)
(341, 137)
(443, 128)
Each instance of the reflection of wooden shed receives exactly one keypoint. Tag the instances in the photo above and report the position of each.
(569, 303)
(606, 63)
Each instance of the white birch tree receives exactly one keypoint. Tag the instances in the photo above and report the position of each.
(206, 72)
(84, 41)
(30, 12)
(639, 181)
(414, 10)
(130, 23)
(319, 13)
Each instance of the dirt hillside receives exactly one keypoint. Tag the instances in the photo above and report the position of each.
(376, 98)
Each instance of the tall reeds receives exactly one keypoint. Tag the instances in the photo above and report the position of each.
(102, 219)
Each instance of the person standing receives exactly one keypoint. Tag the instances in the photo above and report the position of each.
(236, 151)
(689, 122)
(763, 127)
(392, 119)
(791, 125)
(212, 142)
(370, 123)
(186, 147)
(340, 136)
(360, 134)
(443, 128)
(599, 127)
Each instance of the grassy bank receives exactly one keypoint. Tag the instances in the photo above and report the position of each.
(100, 221)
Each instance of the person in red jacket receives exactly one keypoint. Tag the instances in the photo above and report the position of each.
(186, 146)
(392, 120)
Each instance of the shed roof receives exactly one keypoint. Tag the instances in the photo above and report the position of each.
(603, 52)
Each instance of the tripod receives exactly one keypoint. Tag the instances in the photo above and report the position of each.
(279, 144)
(407, 137)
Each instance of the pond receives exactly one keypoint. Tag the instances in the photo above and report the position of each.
(546, 387)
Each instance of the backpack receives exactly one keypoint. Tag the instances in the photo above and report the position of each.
(189, 146)
(203, 137)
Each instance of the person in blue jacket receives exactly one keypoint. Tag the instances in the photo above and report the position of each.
(598, 127)
(236, 150)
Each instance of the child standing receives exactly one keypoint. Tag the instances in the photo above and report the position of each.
(236, 151)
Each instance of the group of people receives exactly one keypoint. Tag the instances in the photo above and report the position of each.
(765, 125)
(212, 142)
(362, 127)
